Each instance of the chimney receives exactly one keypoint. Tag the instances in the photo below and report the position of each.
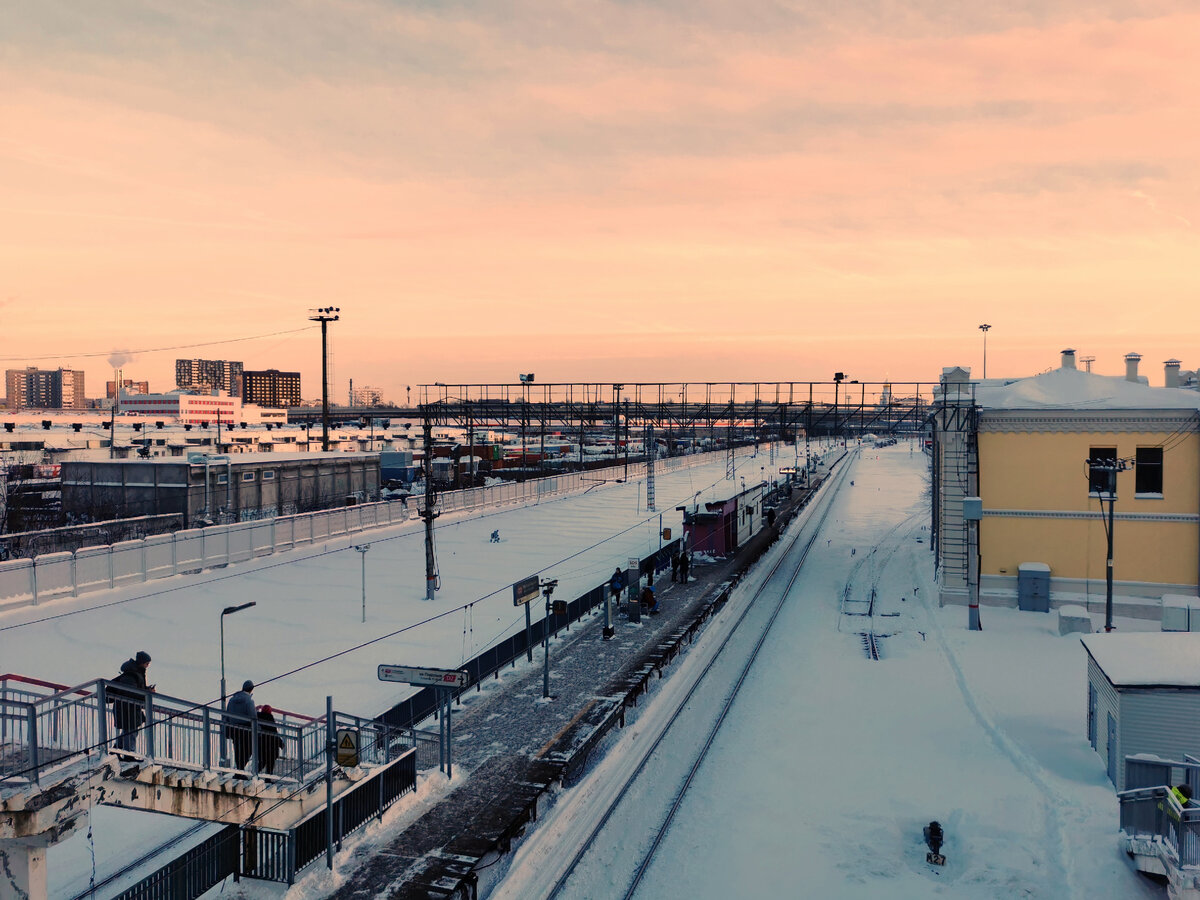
(1131, 364)
(1068, 359)
(1172, 369)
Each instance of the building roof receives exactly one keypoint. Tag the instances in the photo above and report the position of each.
(1148, 658)
(1077, 389)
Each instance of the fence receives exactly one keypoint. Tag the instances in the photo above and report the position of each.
(27, 582)
(423, 703)
(1150, 809)
(272, 854)
(45, 726)
(75, 537)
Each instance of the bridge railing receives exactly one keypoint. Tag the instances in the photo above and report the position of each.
(1151, 811)
(45, 726)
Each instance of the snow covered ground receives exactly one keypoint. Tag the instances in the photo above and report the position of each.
(828, 765)
(820, 779)
(309, 610)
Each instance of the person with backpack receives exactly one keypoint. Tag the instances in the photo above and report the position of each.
(129, 706)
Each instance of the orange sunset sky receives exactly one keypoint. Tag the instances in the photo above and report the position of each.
(703, 191)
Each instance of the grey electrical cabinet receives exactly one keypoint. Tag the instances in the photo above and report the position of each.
(1033, 587)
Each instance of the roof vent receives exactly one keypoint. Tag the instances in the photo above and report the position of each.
(1171, 367)
(1068, 359)
(1131, 366)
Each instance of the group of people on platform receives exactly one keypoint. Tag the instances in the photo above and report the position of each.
(129, 715)
(681, 563)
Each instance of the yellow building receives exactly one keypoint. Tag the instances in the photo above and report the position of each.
(1023, 447)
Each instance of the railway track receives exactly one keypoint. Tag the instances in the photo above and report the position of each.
(803, 540)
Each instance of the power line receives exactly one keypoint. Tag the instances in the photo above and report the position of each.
(106, 353)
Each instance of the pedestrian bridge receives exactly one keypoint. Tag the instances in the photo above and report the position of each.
(1162, 837)
(57, 758)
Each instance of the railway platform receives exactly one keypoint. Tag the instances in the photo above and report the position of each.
(516, 747)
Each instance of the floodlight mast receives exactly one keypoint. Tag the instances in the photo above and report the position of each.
(325, 315)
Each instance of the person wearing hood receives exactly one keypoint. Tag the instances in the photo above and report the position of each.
(270, 744)
(129, 707)
(239, 713)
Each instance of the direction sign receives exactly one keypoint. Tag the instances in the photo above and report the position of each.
(525, 590)
(416, 675)
(347, 746)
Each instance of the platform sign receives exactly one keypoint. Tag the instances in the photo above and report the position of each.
(525, 590)
(449, 678)
(347, 747)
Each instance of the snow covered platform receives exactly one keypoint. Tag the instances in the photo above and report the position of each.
(517, 746)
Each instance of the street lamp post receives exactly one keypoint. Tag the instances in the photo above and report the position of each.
(1110, 467)
(837, 383)
(225, 612)
(985, 329)
(362, 549)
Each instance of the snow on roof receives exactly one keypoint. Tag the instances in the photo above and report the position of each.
(1077, 389)
(1148, 658)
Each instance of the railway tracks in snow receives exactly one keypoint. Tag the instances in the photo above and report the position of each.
(538, 871)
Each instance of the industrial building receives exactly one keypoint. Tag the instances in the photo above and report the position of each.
(223, 488)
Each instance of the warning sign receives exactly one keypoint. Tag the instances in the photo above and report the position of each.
(347, 747)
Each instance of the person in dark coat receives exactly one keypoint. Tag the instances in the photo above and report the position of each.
(684, 564)
(616, 584)
(649, 600)
(129, 707)
(239, 710)
(675, 566)
(270, 744)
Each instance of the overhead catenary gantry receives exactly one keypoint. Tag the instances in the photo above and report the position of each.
(716, 410)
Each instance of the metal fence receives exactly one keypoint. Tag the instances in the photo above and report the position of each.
(192, 874)
(1151, 810)
(69, 538)
(27, 582)
(424, 703)
(45, 726)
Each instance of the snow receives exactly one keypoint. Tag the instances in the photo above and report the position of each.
(1077, 389)
(1142, 660)
(828, 765)
(305, 639)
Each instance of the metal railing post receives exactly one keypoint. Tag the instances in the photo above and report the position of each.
(34, 756)
(206, 749)
(149, 725)
(102, 714)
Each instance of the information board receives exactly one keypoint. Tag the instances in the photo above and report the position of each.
(426, 677)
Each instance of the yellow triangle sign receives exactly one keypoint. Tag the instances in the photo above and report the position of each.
(347, 742)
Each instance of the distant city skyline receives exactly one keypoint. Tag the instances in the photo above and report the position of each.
(622, 192)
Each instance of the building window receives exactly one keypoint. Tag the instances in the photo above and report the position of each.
(222, 478)
(1102, 478)
(268, 476)
(247, 476)
(1148, 471)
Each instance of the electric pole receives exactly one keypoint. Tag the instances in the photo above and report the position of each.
(985, 329)
(325, 315)
(428, 514)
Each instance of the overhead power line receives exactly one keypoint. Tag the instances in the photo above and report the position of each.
(107, 353)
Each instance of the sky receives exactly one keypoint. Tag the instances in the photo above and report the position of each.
(634, 191)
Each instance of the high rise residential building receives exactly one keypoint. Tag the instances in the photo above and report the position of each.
(34, 388)
(209, 374)
(271, 388)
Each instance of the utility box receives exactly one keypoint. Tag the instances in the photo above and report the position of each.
(1033, 587)
(1176, 612)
